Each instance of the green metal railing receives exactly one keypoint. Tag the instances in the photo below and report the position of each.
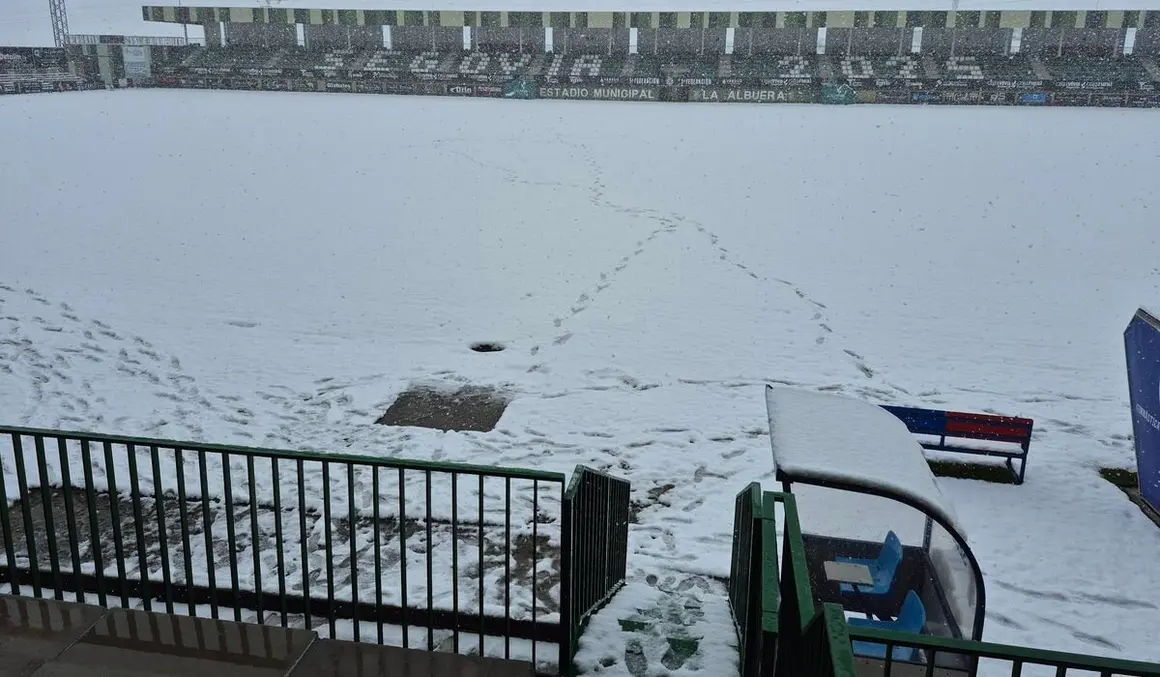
(746, 589)
(1002, 658)
(596, 515)
(794, 636)
(769, 609)
(419, 554)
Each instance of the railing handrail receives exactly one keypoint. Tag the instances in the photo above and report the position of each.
(320, 456)
(838, 636)
(770, 575)
(1008, 652)
(797, 558)
(583, 469)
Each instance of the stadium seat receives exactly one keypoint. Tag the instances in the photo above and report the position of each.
(911, 620)
(883, 568)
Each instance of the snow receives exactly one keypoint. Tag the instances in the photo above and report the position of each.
(821, 436)
(273, 269)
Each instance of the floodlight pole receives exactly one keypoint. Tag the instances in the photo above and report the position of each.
(56, 10)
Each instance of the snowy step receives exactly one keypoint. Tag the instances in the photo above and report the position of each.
(931, 67)
(1150, 66)
(660, 623)
(1041, 71)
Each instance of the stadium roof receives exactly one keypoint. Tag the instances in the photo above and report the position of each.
(691, 5)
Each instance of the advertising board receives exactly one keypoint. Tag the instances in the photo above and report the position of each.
(1070, 98)
(475, 89)
(600, 93)
(1142, 350)
(1033, 99)
(1143, 100)
(751, 95)
(136, 61)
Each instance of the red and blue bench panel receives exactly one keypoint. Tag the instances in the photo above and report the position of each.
(964, 425)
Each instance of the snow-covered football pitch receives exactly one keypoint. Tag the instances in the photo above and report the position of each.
(274, 269)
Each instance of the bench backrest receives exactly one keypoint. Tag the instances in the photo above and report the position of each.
(965, 425)
(912, 616)
(891, 555)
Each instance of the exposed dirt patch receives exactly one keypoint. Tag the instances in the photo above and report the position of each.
(998, 474)
(1129, 482)
(469, 408)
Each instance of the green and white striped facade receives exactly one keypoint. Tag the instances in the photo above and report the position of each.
(1115, 19)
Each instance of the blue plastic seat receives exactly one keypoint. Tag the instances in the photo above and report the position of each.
(911, 619)
(882, 569)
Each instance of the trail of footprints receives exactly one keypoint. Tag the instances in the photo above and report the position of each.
(669, 223)
(47, 367)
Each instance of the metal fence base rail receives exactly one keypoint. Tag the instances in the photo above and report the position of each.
(986, 658)
(504, 560)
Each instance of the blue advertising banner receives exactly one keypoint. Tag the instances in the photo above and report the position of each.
(1142, 349)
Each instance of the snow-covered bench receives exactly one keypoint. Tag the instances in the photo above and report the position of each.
(1013, 434)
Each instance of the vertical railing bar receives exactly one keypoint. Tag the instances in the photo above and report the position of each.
(328, 538)
(183, 515)
(378, 556)
(481, 568)
(1061, 671)
(888, 661)
(564, 635)
(49, 518)
(353, 521)
(162, 536)
(74, 537)
(403, 555)
(600, 498)
(6, 532)
(26, 513)
(585, 527)
(211, 568)
(139, 526)
(1016, 668)
(931, 662)
(279, 543)
(255, 550)
(507, 568)
(231, 535)
(94, 531)
(300, 467)
(455, 558)
(115, 521)
(535, 560)
(430, 568)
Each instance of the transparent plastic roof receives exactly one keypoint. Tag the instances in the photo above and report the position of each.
(819, 437)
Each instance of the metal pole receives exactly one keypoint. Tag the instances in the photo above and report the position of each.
(954, 28)
(184, 26)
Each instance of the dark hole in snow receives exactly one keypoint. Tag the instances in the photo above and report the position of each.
(487, 347)
(469, 408)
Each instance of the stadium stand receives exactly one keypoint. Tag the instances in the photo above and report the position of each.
(1095, 69)
(579, 68)
(20, 73)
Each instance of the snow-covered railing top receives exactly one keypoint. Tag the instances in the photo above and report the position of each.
(818, 437)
